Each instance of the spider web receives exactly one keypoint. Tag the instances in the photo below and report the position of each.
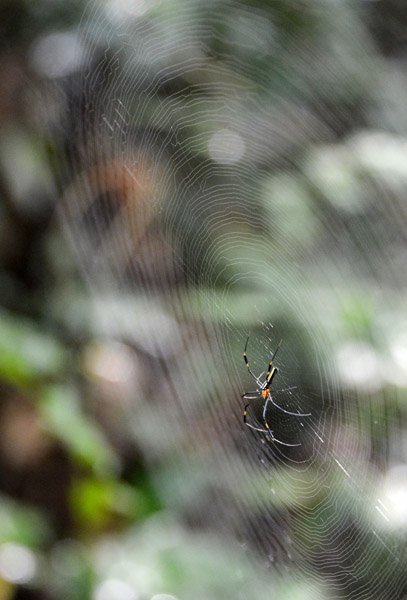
(230, 167)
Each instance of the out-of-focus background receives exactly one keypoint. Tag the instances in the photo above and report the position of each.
(173, 175)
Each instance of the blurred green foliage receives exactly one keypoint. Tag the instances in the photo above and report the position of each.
(105, 506)
(28, 355)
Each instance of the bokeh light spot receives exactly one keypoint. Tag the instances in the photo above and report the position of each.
(17, 563)
(226, 146)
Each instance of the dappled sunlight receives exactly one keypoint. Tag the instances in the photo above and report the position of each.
(175, 176)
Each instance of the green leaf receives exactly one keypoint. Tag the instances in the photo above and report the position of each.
(26, 354)
(62, 416)
(21, 524)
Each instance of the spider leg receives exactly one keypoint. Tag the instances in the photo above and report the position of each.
(273, 439)
(255, 392)
(245, 411)
(248, 424)
(287, 412)
(257, 428)
(247, 363)
(270, 372)
(268, 428)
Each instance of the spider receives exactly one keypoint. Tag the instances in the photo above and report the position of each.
(263, 391)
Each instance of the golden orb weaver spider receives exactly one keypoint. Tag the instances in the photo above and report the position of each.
(263, 391)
